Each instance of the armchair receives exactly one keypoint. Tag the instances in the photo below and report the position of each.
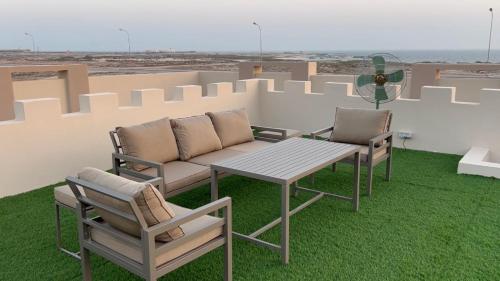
(374, 150)
(144, 256)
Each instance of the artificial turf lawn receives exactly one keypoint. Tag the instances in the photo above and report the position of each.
(427, 223)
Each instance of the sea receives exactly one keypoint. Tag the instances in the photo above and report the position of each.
(413, 56)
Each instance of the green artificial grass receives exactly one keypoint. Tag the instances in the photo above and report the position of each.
(427, 223)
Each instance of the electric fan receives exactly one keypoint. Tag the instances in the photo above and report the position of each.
(380, 77)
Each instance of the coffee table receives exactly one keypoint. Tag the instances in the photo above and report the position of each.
(284, 163)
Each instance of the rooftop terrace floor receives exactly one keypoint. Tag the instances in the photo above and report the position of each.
(427, 223)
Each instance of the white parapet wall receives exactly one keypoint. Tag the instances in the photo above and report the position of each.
(437, 121)
(42, 146)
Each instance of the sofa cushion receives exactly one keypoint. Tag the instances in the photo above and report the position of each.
(358, 126)
(135, 253)
(179, 174)
(195, 136)
(216, 156)
(250, 146)
(149, 200)
(152, 141)
(232, 126)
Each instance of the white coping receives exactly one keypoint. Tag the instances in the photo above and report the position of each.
(476, 162)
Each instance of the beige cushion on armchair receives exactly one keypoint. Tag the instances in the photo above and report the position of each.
(152, 141)
(232, 126)
(358, 126)
(195, 136)
(151, 204)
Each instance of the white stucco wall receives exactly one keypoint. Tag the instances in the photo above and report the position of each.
(438, 122)
(278, 77)
(468, 89)
(45, 88)
(43, 145)
(124, 84)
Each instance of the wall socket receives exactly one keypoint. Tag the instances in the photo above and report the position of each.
(405, 135)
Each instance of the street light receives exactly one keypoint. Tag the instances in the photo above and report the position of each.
(491, 28)
(260, 40)
(128, 38)
(32, 40)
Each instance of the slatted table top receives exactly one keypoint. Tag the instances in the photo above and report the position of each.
(287, 161)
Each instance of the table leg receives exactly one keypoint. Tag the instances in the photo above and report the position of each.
(355, 187)
(214, 188)
(295, 190)
(285, 222)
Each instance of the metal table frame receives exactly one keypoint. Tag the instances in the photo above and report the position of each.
(283, 248)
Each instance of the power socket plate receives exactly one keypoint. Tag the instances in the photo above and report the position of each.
(405, 134)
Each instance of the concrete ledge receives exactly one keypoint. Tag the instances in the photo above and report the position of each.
(476, 162)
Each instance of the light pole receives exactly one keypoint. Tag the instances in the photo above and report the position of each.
(128, 38)
(491, 28)
(260, 41)
(32, 40)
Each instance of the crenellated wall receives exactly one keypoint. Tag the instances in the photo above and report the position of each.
(43, 145)
(437, 121)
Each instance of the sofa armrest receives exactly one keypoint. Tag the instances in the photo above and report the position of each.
(223, 203)
(119, 159)
(282, 133)
(316, 134)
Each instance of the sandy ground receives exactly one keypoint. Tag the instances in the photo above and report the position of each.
(143, 63)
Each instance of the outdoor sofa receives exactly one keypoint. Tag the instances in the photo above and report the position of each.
(178, 151)
(365, 127)
(181, 150)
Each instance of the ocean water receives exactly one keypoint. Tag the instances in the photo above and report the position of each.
(413, 56)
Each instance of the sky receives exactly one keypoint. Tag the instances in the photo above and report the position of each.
(226, 25)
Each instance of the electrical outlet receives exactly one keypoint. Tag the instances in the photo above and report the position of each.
(405, 135)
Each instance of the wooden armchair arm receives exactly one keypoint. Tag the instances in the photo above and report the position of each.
(192, 215)
(387, 137)
(316, 134)
(384, 136)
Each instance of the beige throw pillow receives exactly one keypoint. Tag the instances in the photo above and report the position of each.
(195, 136)
(149, 200)
(358, 126)
(232, 126)
(152, 141)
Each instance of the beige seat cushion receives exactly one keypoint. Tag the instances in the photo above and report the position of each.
(290, 133)
(195, 136)
(364, 154)
(179, 174)
(216, 156)
(358, 126)
(152, 141)
(135, 253)
(64, 194)
(151, 204)
(232, 126)
(250, 146)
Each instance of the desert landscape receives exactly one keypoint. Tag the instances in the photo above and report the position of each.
(115, 63)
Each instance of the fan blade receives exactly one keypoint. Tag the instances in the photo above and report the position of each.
(396, 76)
(365, 80)
(379, 63)
(380, 93)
